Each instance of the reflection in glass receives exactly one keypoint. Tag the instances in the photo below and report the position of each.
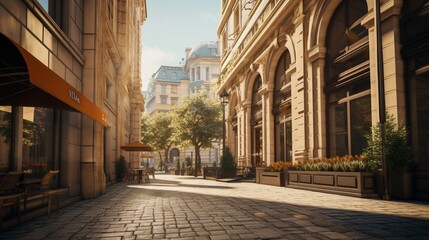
(37, 139)
(5, 138)
(360, 122)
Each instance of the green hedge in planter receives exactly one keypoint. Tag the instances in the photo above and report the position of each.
(347, 163)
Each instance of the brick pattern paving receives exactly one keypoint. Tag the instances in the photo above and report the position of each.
(181, 207)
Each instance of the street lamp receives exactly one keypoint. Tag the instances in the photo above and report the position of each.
(223, 101)
(381, 99)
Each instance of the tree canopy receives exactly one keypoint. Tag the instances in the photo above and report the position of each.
(198, 122)
(157, 131)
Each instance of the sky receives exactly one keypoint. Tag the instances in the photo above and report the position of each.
(172, 26)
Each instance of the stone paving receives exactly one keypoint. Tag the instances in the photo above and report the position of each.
(184, 207)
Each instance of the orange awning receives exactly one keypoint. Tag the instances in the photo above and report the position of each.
(25, 81)
(136, 147)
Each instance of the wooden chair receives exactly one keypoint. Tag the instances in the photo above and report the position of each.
(130, 175)
(9, 195)
(151, 171)
(10, 182)
(42, 189)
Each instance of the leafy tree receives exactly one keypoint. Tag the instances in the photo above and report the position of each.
(198, 123)
(157, 132)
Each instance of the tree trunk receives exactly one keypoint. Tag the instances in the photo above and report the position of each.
(160, 158)
(197, 160)
(166, 159)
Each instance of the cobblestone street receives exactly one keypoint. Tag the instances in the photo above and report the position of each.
(184, 207)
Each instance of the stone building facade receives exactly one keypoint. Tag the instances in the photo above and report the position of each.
(302, 77)
(71, 89)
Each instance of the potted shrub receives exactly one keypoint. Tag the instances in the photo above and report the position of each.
(397, 153)
(121, 168)
(227, 164)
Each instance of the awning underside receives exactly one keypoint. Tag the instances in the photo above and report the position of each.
(25, 81)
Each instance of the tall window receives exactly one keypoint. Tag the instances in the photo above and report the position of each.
(5, 138)
(347, 79)
(198, 77)
(193, 74)
(257, 137)
(163, 89)
(282, 110)
(415, 47)
(37, 139)
(163, 100)
(207, 73)
(54, 9)
(174, 89)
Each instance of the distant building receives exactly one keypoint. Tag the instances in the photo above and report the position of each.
(166, 87)
(202, 67)
(169, 85)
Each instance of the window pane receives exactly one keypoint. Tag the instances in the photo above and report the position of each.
(360, 120)
(45, 4)
(37, 138)
(340, 146)
(5, 138)
(422, 93)
(281, 145)
(289, 141)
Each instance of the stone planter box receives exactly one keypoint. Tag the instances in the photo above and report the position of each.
(272, 178)
(216, 173)
(212, 172)
(359, 184)
(258, 172)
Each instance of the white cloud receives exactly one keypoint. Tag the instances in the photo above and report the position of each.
(152, 59)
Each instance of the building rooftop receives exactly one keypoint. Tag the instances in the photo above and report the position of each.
(205, 49)
(170, 74)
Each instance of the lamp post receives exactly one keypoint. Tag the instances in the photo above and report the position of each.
(223, 101)
(381, 99)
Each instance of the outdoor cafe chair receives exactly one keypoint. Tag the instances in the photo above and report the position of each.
(9, 196)
(42, 189)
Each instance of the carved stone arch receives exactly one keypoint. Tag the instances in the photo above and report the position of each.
(314, 16)
(235, 100)
(285, 44)
(323, 17)
(250, 82)
(327, 9)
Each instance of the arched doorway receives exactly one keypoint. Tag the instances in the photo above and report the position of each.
(282, 109)
(347, 79)
(256, 125)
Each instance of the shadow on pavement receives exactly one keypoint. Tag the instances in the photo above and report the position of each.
(245, 215)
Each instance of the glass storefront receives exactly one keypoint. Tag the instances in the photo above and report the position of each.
(5, 138)
(37, 140)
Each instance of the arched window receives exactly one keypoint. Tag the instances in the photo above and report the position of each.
(282, 110)
(347, 80)
(257, 123)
